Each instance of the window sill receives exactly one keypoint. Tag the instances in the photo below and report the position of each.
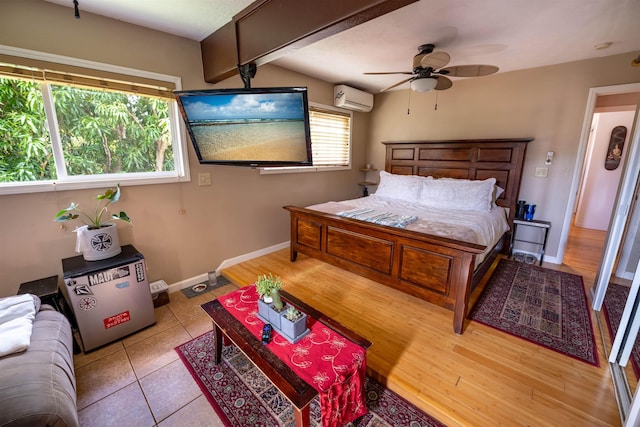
(302, 169)
(87, 183)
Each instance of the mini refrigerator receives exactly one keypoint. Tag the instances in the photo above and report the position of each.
(109, 298)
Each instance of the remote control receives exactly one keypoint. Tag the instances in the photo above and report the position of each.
(266, 333)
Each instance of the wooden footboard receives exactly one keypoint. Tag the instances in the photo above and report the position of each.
(435, 269)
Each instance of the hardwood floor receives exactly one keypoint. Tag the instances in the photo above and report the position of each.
(584, 250)
(481, 378)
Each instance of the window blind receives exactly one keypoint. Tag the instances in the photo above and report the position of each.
(330, 137)
(37, 70)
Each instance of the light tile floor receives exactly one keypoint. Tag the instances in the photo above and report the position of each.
(140, 380)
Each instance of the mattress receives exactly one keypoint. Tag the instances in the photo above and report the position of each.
(479, 227)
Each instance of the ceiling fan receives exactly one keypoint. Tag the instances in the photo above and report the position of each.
(428, 74)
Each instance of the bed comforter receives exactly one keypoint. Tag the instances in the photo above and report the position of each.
(482, 228)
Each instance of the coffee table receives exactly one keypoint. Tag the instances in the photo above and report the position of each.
(299, 393)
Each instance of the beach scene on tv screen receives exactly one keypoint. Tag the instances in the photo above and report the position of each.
(248, 127)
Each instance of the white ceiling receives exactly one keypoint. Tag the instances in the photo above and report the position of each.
(511, 34)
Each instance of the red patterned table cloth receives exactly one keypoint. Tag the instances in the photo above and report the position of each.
(330, 363)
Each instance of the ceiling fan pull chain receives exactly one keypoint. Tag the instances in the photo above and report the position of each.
(436, 106)
(409, 103)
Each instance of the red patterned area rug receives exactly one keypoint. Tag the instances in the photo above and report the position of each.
(242, 396)
(546, 307)
(614, 301)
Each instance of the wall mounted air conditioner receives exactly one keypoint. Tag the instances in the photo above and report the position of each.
(352, 99)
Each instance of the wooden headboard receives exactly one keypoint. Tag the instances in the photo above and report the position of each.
(501, 159)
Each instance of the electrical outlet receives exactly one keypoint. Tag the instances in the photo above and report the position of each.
(204, 179)
(542, 172)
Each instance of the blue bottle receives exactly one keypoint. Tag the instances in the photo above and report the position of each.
(529, 211)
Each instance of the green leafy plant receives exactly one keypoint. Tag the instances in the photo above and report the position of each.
(95, 220)
(269, 286)
(292, 313)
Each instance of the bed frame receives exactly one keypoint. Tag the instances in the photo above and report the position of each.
(436, 269)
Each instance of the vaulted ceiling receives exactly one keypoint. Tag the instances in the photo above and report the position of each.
(510, 34)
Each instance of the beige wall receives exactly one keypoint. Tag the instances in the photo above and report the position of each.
(547, 103)
(240, 213)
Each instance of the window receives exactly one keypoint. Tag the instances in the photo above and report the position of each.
(65, 126)
(330, 141)
(330, 137)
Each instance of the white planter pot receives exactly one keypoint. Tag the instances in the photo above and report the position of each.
(101, 243)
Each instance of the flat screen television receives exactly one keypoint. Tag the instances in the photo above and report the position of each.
(253, 127)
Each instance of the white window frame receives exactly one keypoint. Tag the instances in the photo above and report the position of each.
(178, 142)
(304, 169)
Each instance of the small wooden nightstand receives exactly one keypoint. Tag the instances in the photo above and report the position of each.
(542, 225)
(366, 184)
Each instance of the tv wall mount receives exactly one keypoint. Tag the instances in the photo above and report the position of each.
(247, 72)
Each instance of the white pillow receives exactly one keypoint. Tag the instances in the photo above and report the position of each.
(402, 187)
(496, 194)
(461, 194)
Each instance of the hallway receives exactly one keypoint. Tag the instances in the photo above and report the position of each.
(584, 250)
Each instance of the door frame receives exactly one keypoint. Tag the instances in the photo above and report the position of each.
(580, 157)
(618, 222)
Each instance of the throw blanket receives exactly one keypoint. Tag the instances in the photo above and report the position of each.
(378, 217)
(17, 314)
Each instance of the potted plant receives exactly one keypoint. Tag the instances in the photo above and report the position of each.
(98, 238)
(268, 288)
(293, 324)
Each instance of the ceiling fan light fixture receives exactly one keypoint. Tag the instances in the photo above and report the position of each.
(424, 84)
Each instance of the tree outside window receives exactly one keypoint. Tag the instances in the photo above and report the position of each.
(100, 132)
(25, 147)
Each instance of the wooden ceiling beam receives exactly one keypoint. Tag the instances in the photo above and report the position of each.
(268, 29)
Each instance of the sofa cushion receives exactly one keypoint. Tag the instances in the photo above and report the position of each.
(37, 386)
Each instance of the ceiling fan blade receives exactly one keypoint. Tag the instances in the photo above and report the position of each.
(435, 60)
(395, 85)
(389, 72)
(469, 70)
(443, 83)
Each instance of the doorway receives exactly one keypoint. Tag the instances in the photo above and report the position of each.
(617, 230)
(610, 125)
(598, 184)
(604, 99)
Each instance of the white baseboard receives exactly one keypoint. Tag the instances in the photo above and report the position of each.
(175, 287)
(551, 260)
(628, 275)
(187, 283)
(251, 255)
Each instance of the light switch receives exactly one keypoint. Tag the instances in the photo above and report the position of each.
(542, 172)
(549, 158)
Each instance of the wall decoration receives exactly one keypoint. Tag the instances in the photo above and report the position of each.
(616, 145)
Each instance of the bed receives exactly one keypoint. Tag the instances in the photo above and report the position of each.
(439, 269)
